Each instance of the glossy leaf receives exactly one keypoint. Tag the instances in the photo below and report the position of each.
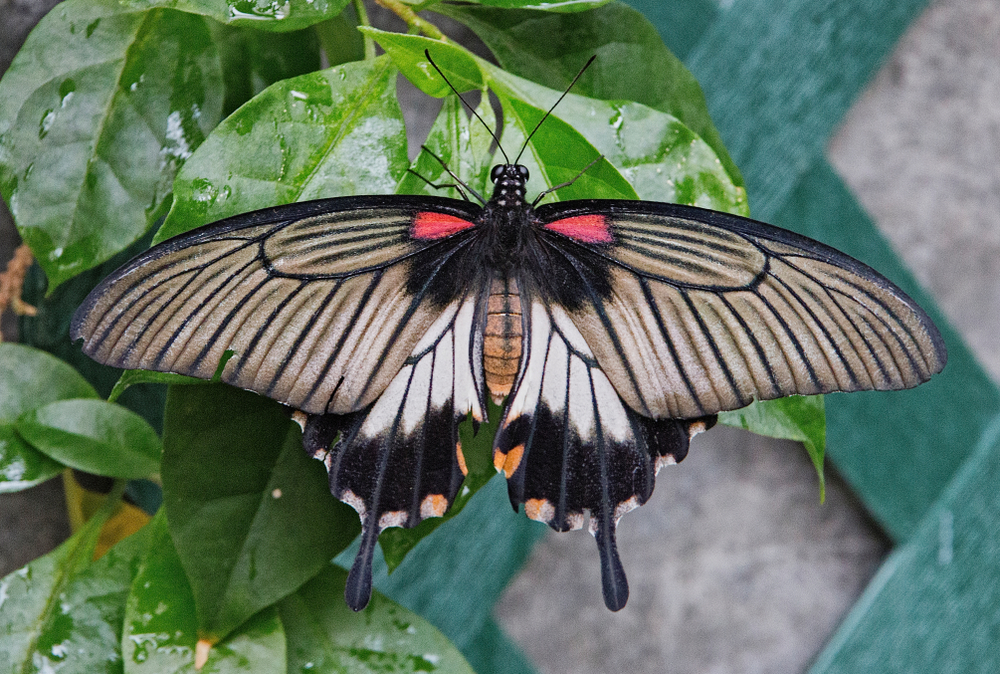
(93, 436)
(274, 15)
(556, 153)
(251, 515)
(463, 145)
(799, 418)
(336, 132)
(62, 613)
(30, 378)
(661, 158)
(554, 6)
(98, 110)
(253, 60)
(632, 62)
(161, 625)
(21, 465)
(324, 635)
(463, 69)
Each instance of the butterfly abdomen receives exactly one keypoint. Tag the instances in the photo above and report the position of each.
(502, 338)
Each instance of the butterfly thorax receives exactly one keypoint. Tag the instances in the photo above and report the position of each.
(506, 218)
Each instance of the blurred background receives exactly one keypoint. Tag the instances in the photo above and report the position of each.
(734, 565)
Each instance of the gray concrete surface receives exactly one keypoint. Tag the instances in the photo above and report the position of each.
(734, 565)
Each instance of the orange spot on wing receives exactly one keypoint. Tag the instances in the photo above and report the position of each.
(498, 459)
(513, 460)
(538, 509)
(433, 505)
(586, 228)
(427, 225)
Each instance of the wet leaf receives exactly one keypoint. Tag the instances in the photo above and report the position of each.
(632, 62)
(21, 465)
(660, 157)
(464, 147)
(557, 6)
(273, 15)
(63, 613)
(98, 110)
(336, 132)
(93, 436)
(324, 635)
(251, 515)
(30, 378)
(799, 418)
(161, 625)
(253, 60)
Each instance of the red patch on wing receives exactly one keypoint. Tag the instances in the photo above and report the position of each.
(586, 228)
(427, 225)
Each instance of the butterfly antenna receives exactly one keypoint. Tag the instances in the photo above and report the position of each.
(546, 115)
(427, 53)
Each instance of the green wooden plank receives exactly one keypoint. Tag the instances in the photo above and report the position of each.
(933, 606)
(898, 450)
(681, 23)
(779, 76)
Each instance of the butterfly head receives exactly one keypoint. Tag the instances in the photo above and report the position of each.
(509, 184)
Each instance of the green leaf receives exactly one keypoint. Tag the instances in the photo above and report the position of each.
(94, 436)
(133, 377)
(62, 613)
(21, 465)
(161, 625)
(799, 418)
(463, 145)
(463, 69)
(557, 6)
(273, 15)
(660, 157)
(30, 378)
(331, 133)
(253, 60)
(251, 515)
(324, 635)
(632, 62)
(477, 448)
(98, 110)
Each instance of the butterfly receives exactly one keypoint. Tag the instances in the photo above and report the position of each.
(612, 332)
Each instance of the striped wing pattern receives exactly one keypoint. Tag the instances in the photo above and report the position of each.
(569, 445)
(400, 460)
(706, 312)
(315, 300)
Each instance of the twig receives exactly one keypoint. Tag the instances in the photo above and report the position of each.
(12, 282)
(407, 14)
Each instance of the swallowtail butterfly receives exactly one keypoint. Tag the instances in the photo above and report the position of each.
(614, 331)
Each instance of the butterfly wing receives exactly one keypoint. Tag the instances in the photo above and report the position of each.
(322, 302)
(360, 312)
(647, 319)
(568, 444)
(691, 312)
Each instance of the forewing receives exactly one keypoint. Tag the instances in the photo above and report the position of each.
(569, 445)
(321, 302)
(692, 312)
(400, 461)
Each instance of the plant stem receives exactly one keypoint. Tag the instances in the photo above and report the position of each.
(412, 20)
(359, 9)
